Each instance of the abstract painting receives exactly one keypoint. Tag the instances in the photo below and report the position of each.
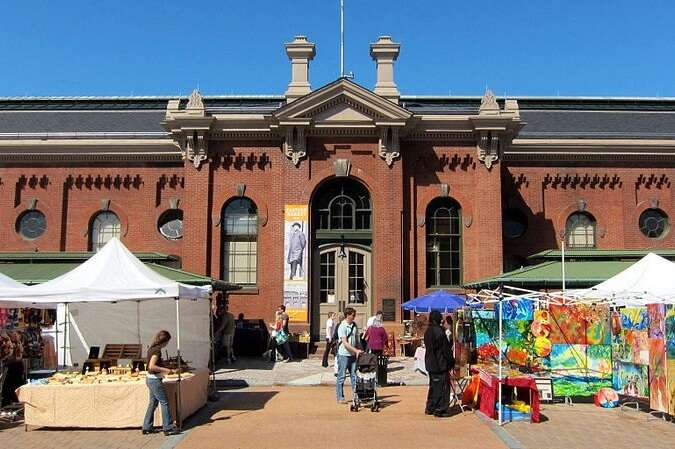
(671, 386)
(639, 344)
(580, 324)
(658, 389)
(670, 332)
(517, 309)
(597, 330)
(657, 320)
(635, 318)
(580, 370)
(621, 349)
(631, 379)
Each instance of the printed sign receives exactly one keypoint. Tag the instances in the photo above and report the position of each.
(296, 270)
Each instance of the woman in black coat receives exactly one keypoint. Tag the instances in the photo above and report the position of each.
(438, 360)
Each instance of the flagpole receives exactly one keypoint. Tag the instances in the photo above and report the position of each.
(342, 38)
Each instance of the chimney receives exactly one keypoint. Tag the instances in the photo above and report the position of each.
(300, 52)
(384, 52)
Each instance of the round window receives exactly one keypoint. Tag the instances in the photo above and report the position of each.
(514, 223)
(31, 224)
(171, 224)
(654, 223)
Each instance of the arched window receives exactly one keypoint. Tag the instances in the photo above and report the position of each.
(239, 224)
(104, 226)
(444, 243)
(343, 205)
(580, 230)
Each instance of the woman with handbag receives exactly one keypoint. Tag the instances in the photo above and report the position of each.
(153, 380)
(279, 336)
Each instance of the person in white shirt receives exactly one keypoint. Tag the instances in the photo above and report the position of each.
(331, 324)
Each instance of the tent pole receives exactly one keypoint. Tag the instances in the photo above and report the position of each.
(179, 421)
(65, 335)
(213, 392)
(562, 254)
(501, 356)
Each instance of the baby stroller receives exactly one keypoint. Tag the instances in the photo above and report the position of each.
(365, 391)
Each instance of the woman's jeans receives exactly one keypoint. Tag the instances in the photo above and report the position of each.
(344, 363)
(330, 345)
(157, 396)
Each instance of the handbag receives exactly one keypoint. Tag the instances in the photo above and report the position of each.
(281, 337)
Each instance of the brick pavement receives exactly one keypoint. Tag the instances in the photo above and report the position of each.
(584, 426)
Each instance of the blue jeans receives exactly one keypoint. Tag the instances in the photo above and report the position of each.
(344, 363)
(157, 396)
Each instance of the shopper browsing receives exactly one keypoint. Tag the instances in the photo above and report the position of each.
(157, 392)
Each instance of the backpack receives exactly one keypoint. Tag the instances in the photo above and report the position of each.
(335, 334)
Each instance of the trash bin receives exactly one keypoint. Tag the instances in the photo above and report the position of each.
(382, 362)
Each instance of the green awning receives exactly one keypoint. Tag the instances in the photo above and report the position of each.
(607, 254)
(39, 272)
(548, 275)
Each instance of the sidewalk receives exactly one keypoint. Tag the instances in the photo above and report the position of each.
(305, 372)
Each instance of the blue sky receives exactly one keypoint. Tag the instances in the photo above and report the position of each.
(516, 47)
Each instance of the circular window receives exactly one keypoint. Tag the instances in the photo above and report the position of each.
(654, 223)
(171, 224)
(514, 223)
(31, 224)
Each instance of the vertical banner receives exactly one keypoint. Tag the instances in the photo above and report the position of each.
(296, 270)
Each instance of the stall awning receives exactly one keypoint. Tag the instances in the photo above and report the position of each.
(548, 275)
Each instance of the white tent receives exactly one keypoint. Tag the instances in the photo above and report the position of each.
(8, 282)
(115, 275)
(650, 280)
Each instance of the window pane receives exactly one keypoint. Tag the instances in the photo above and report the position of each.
(105, 226)
(239, 233)
(443, 243)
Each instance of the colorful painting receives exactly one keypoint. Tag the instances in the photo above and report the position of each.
(671, 385)
(580, 370)
(580, 324)
(635, 318)
(657, 320)
(639, 344)
(670, 332)
(487, 332)
(631, 379)
(517, 309)
(658, 389)
(621, 349)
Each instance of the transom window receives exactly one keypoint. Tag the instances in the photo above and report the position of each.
(444, 243)
(654, 223)
(104, 227)
(343, 205)
(580, 230)
(239, 226)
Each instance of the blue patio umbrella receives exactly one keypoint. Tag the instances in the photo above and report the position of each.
(438, 300)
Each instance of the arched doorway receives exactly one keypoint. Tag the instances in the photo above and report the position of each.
(341, 252)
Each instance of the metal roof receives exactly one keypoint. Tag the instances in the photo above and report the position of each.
(595, 254)
(95, 121)
(33, 257)
(548, 275)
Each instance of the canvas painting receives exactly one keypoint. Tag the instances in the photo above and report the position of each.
(670, 331)
(670, 375)
(658, 389)
(635, 318)
(566, 327)
(657, 320)
(597, 320)
(621, 349)
(580, 370)
(631, 379)
(517, 309)
(639, 343)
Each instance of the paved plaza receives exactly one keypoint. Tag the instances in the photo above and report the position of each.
(292, 405)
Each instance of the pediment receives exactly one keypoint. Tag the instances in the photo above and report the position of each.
(343, 103)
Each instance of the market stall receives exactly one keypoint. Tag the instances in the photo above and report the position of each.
(107, 280)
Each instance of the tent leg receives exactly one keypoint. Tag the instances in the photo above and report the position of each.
(213, 391)
(501, 355)
(179, 420)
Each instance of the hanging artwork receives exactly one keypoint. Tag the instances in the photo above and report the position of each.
(621, 349)
(580, 324)
(517, 309)
(658, 389)
(631, 379)
(597, 329)
(487, 333)
(670, 371)
(635, 318)
(657, 320)
(639, 344)
(580, 370)
(670, 332)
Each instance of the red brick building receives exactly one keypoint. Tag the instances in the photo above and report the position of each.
(402, 193)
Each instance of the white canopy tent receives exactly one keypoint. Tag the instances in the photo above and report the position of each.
(650, 280)
(7, 282)
(115, 275)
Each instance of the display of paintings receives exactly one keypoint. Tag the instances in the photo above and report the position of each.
(580, 370)
(580, 324)
(621, 349)
(657, 320)
(658, 388)
(670, 332)
(635, 318)
(516, 309)
(486, 330)
(631, 379)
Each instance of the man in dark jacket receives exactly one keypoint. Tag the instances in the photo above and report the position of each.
(438, 361)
